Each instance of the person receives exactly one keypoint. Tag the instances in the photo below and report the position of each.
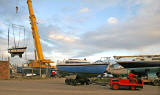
(132, 76)
(53, 73)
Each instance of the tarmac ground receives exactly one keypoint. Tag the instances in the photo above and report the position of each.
(58, 87)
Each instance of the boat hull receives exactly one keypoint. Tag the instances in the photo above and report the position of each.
(83, 68)
(142, 67)
(139, 64)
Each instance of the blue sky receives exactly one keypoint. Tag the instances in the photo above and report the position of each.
(87, 28)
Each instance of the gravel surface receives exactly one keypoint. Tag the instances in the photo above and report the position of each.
(57, 87)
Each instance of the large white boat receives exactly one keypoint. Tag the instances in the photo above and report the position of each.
(82, 66)
(75, 61)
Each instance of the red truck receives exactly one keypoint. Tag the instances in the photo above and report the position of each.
(131, 82)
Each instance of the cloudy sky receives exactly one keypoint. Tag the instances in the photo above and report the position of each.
(86, 28)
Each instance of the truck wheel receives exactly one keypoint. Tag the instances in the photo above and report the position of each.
(115, 86)
(66, 81)
(69, 81)
(73, 82)
(155, 82)
(82, 83)
(87, 82)
(133, 87)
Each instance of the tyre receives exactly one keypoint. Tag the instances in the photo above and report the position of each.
(82, 83)
(115, 86)
(156, 82)
(88, 82)
(133, 87)
(73, 82)
(67, 82)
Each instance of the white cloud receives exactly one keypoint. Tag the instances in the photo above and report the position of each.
(46, 43)
(83, 10)
(138, 32)
(3, 26)
(64, 38)
(112, 20)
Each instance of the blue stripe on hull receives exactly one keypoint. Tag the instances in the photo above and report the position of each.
(84, 69)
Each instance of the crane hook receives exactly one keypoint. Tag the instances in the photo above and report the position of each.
(16, 9)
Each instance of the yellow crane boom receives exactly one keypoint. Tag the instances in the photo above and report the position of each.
(35, 31)
(38, 48)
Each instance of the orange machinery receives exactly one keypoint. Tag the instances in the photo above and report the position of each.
(39, 58)
(131, 82)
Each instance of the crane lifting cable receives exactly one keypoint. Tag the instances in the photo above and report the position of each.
(17, 49)
(14, 36)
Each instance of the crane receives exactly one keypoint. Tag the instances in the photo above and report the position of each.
(40, 62)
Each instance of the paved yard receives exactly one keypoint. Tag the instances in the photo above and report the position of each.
(57, 87)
